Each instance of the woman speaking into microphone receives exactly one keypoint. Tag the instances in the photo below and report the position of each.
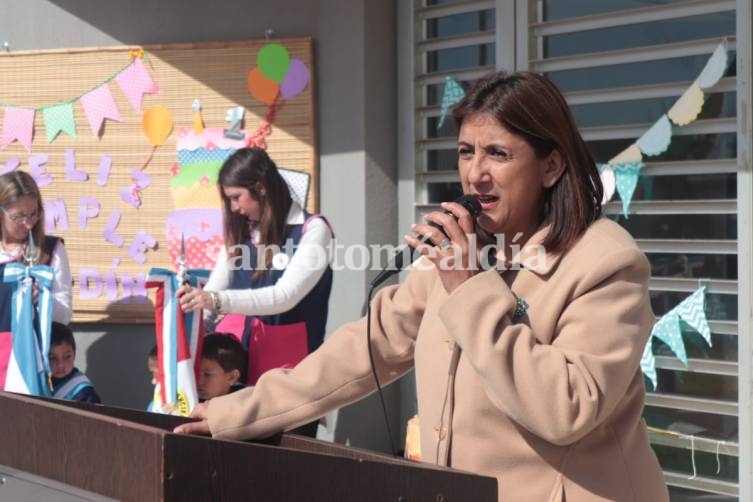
(527, 370)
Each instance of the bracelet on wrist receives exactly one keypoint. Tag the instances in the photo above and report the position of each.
(216, 302)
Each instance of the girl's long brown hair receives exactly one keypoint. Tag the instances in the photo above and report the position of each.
(245, 169)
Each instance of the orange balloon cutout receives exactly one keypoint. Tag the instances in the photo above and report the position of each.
(157, 123)
(262, 88)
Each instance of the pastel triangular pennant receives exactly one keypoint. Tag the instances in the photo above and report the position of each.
(98, 106)
(715, 67)
(667, 329)
(451, 96)
(648, 363)
(18, 124)
(691, 310)
(626, 179)
(629, 154)
(688, 106)
(656, 140)
(607, 180)
(135, 81)
(59, 118)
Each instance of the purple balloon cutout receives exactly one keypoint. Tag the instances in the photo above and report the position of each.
(295, 80)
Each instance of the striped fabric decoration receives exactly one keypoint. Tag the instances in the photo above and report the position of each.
(29, 366)
(179, 338)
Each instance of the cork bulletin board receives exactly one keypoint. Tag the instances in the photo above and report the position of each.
(121, 192)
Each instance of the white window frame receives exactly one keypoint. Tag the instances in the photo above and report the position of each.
(512, 35)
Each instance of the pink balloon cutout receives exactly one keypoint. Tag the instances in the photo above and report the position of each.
(295, 80)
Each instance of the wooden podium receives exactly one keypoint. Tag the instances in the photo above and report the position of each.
(131, 455)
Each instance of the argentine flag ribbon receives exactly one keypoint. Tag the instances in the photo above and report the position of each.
(29, 365)
(179, 338)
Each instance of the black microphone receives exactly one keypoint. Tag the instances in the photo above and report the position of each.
(470, 203)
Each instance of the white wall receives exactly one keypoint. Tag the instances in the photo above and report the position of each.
(355, 66)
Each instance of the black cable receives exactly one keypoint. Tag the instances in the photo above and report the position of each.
(374, 372)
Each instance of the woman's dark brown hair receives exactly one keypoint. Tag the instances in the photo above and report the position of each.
(244, 169)
(531, 106)
(13, 186)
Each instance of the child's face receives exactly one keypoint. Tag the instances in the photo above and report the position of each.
(213, 380)
(62, 358)
(153, 369)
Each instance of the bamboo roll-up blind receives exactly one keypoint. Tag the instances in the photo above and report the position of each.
(216, 74)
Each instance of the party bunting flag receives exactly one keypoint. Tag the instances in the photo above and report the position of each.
(98, 106)
(135, 81)
(688, 107)
(606, 173)
(648, 363)
(624, 178)
(685, 110)
(18, 124)
(692, 310)
(57, 119)
(657, 139)
(667, 329)
(715, 67)
(451, 96)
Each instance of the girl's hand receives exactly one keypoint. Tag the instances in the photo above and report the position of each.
(193, 298)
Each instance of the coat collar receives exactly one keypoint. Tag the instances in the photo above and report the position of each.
(533, 256)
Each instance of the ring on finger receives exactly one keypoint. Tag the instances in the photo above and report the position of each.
(444, 244)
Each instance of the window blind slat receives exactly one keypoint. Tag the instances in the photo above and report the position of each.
(687, 246)
(703, 126)
(435, 11)
(724, 206)
(702, 405)
(633, 55)
(715, 485)
(609, 95)
(708, 366)
(632, 16)
(464, 40)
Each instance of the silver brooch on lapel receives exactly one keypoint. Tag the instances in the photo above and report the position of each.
(521, 307)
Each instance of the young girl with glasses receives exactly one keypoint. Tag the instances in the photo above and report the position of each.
(23, 214)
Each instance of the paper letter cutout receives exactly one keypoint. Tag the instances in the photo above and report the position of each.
(112, 224)
(11, 165)
(55, 215)
(90, 284)
(38, 172)
(141, 242)
(89, 208)
(71, 173)
(133, 287)
(105, 163)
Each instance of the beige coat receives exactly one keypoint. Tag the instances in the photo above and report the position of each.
(549, 402)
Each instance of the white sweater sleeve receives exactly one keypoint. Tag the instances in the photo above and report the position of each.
(219, 278)
(306, 267)
(62, 284)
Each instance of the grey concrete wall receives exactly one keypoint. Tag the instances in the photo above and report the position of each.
(354, 45)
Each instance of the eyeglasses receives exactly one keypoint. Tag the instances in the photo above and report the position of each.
(22, 219)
